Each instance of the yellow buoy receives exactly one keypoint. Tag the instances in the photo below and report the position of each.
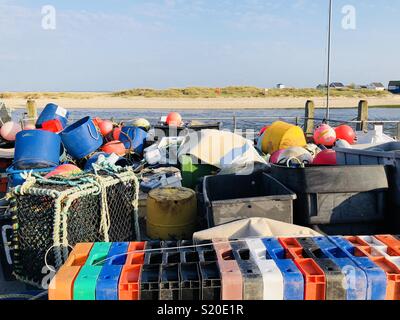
(282, 135)
(171, 213)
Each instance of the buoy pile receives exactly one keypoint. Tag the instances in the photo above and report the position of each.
(55, 146)
(286, 144)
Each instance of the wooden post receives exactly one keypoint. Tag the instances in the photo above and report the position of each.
(398, 131)
(32, 111)
(309, 117)
(362, 116)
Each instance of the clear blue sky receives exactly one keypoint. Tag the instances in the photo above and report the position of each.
(118, 44)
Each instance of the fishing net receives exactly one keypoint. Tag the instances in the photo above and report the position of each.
(51, 216)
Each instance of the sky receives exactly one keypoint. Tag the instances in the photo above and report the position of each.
(107, 45)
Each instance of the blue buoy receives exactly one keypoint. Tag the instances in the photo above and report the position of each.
(133, 138)
(36, 149)
(81, 138)
(53, 112)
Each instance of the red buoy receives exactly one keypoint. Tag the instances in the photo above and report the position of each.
(345, 132)
(325, 158)
(174, 119)
(116, 147)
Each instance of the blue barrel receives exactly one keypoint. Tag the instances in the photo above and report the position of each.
(136, 140)
(81, 138)
(15, 176)
(53, 112)
(88, 166)
(36, 149)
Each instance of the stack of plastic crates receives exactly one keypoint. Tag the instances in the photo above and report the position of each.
(312, 268)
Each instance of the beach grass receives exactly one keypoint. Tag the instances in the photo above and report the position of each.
(247, 92)
(202, 92)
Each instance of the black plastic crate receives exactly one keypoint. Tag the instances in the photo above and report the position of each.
(229, 198)
(153, 258)
(253, 287)
(339, 199)
(190, 281)
(186, 245)
(210, 281)
(204, 245)
(190, 257)
(171, 257)
(335, 279)
(150, 282)
(170, 282)
(208, 256)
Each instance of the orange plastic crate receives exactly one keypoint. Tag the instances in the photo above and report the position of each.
(62, 285)
(392, 243)
(314, 276)
(128, 287)
(392, 271)
(231, 276)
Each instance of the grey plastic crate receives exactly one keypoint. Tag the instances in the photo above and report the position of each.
(229, 198)
(387, 154)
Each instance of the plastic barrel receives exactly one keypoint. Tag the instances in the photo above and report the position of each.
(171, 213)
(81, 138)
(282, 135)
(15, 176)
(53, 112)
(36, 149)
(136, 140)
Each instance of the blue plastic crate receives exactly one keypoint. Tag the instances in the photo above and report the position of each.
(292, 277)
(107, 283)
(376, 277)
(356, 278)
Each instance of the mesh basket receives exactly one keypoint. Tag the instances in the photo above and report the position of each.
(51, 216)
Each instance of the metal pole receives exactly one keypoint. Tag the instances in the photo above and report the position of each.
(328, 80)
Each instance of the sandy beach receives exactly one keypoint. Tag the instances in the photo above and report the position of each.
(100, 101)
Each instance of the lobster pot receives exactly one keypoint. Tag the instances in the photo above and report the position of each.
(50, 218)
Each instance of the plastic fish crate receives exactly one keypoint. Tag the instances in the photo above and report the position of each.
(150, 282)
(211, 281)
(293, 281)
(252, 277)
(338, 199)
(170, 282)
(231, 276)
(334, 278)
(387, 154)
(233, 197)
(190, 286)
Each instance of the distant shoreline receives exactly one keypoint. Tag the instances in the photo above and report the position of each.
(99, 101)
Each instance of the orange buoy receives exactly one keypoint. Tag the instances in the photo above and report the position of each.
(345, 132)
(174, 119)
(106, 127)
(64, 170)
(116, 147)
(116, 133)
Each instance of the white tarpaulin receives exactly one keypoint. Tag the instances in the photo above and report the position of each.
(222, 149)
(252, 228)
